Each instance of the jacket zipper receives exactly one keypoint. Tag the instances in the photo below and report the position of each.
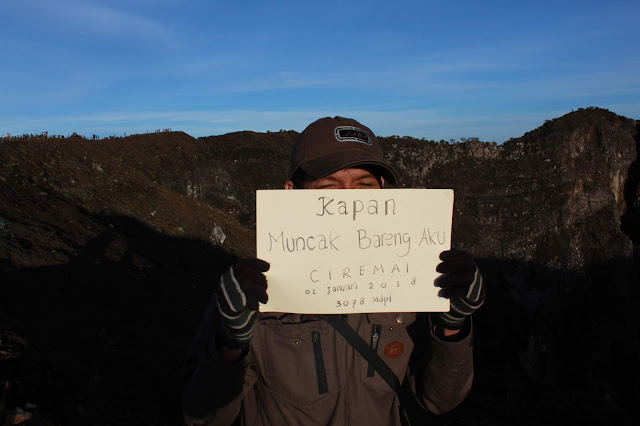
(321, 373)
(376, 330)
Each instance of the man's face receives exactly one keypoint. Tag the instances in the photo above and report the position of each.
(350, 178)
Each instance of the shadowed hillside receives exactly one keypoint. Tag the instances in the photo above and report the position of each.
(108, 250)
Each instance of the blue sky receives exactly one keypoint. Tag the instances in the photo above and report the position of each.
(434, 69)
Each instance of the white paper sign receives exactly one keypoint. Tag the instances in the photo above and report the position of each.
(353, 251)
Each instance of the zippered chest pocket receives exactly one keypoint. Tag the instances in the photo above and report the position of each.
(297, 361)
(376, 329)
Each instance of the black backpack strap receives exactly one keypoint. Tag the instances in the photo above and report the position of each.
(365, 350)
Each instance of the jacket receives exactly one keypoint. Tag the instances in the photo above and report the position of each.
(299, 371)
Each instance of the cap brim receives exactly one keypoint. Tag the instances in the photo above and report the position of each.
(329, 164)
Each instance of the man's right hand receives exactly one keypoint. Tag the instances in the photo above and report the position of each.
(240, 290)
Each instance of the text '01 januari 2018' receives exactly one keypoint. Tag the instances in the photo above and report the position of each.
(353, 251)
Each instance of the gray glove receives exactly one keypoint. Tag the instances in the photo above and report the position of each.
(462, 284)
(238, 294)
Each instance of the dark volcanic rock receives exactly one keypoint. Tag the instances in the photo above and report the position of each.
(554, 196)
(107, 257)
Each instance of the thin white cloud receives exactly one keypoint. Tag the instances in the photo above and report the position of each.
(99, 19)
(589, 84)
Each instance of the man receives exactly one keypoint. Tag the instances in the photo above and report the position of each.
(291, 369)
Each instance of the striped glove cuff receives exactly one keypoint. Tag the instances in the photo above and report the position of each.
(239, 328)
(462, 307)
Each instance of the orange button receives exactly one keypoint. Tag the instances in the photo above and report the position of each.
(394, 349)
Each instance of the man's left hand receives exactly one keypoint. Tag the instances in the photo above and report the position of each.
(462, 284)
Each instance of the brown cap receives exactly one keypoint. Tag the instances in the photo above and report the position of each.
(332, 144)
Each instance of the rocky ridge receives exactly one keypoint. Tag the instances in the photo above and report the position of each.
(108, 249)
